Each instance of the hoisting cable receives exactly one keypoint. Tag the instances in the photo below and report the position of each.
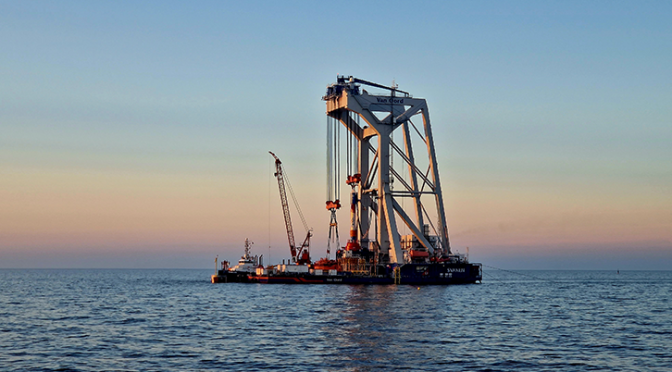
(347, 148)
(337, 180)
(296, 203)
(333, 176)
(353, 152)
(521, 274)
(328, 158)
(351, 139)
(334, 164)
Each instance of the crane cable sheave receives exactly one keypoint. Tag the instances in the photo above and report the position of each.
(278, 163)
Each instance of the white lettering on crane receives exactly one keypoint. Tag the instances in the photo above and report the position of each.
(390, 100)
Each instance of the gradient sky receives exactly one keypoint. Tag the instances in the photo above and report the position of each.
(135, 134)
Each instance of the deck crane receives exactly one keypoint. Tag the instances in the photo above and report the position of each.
(300, 254)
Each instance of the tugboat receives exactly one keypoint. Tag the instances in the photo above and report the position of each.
(247, 266)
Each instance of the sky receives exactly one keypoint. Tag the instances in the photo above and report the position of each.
(136, 134)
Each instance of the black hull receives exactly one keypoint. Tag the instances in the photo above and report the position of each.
(410, 274)
(232, 277)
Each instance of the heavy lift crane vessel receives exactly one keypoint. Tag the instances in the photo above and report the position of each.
(300, 254)
(376, 252)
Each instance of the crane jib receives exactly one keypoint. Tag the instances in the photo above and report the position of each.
(297, 253)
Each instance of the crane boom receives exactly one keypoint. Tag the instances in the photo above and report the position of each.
(285, 204)
(300, 255)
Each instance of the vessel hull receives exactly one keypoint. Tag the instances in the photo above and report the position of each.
(411, 274)
(223, 276)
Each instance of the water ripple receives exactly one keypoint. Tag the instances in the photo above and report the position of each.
(144, 320)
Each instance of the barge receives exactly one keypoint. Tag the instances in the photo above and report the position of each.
(455, 269)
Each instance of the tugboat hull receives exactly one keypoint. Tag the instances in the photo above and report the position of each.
(223, 276)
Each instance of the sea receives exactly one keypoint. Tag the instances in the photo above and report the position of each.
(176, 320)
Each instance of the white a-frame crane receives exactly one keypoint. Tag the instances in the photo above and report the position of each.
(371, 179)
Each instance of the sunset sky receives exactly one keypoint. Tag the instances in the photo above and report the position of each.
(136, 134)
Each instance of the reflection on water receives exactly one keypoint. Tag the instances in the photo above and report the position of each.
(176, 320)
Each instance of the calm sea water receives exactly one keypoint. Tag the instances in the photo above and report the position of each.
(175, 320)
